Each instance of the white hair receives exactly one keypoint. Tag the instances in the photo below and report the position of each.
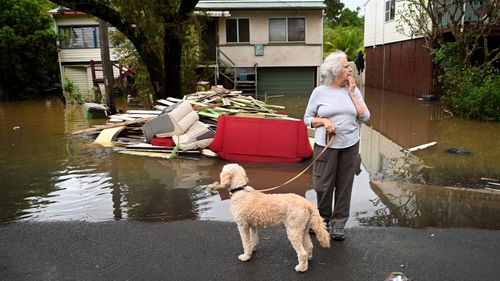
(331, 67)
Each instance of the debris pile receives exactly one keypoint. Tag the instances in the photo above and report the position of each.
(179, 126)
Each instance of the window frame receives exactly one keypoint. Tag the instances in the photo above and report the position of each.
(238, 32)
(94, 44)
(287, 40)
(389, 10)
(96, 41)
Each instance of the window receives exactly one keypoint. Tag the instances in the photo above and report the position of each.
(287, 30)
(81, 37)
(390, 9)
(237, 30)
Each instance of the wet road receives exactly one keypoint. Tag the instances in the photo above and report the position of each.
(208, 250)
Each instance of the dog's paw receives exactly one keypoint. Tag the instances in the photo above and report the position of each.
(244, 257)
(301, 267)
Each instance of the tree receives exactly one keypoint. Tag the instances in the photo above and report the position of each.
(350, 18)
(343, 30)
(332, 11)
(155, 28)
(431, 19)
(346, 38)
(28, 56)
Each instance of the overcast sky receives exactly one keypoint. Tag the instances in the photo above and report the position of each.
(353, 4)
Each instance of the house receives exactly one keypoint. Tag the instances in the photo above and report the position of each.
(79, 57)
(398, 63)
(266, 47)
(263, 47)
(393, 60)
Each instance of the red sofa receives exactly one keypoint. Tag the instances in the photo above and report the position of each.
(241, 139)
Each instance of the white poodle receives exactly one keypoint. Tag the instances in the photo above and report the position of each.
(253, 209)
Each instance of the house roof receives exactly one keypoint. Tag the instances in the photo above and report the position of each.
(259, 4)
(63, 10)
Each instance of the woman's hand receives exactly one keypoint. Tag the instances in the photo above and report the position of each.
(330, 128)
(351, 85)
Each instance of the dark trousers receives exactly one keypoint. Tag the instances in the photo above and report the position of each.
(333, 176)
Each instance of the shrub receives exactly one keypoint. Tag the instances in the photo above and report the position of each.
(470, 92)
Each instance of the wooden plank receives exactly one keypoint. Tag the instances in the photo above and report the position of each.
(107, 126)
(136, 111)
(148, 154)
(107, 136)
(166, 102)
(226, 101)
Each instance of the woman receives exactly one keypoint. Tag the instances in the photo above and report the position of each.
(334, 109)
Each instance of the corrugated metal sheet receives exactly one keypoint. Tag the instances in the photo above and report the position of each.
(401, 67)
(259, 4)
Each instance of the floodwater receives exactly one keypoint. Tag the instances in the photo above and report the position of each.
(47, 174)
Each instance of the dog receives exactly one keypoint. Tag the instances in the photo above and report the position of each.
(252, 209)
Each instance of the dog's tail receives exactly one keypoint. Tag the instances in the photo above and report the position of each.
(319, 227)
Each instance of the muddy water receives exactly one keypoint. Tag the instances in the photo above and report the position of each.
(47, 174)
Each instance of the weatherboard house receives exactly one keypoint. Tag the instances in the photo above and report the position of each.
(79, 54)
(397, 62)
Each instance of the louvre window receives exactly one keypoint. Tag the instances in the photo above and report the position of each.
(80, 37)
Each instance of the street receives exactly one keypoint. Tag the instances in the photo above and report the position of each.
(208, 250)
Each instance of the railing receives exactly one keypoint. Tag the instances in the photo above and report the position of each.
(221, 59)
(123, 71)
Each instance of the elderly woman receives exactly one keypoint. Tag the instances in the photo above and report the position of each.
(334, 109)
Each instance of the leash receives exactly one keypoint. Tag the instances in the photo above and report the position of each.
(329, 138)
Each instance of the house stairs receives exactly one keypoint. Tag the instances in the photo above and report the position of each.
(231, 76)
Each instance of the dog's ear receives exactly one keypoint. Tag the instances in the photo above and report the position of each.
(225, 179)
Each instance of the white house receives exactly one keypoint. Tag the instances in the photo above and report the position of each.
(394, 62)
(399, 63)
(79, 48)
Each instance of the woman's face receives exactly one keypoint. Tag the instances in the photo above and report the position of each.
(345, 70)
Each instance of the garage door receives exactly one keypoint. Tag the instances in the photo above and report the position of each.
(290, 81)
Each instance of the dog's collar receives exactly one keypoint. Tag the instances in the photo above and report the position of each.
(234, 190)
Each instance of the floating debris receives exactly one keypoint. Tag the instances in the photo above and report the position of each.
(458, 150)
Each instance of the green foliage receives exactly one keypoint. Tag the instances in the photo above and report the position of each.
(28, 56)
(71, 91)
(343, 30)
(332, 11)
(191, 53)
(471, 92)
(129, 57)
(350, 18)
(348, 39)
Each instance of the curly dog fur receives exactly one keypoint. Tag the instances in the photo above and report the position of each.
(252, 209)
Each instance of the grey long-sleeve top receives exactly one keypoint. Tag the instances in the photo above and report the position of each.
(336, 105)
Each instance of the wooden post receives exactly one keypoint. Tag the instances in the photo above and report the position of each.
(107, 67)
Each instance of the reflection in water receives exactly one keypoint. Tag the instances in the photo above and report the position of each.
(398, 122)
(432, 206)
(48, 174)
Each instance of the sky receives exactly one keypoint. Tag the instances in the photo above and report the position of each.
(353, 4)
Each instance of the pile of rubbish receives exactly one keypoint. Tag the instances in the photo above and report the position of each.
(179, 126)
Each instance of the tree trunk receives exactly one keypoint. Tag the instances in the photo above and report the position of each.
(172, 64)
